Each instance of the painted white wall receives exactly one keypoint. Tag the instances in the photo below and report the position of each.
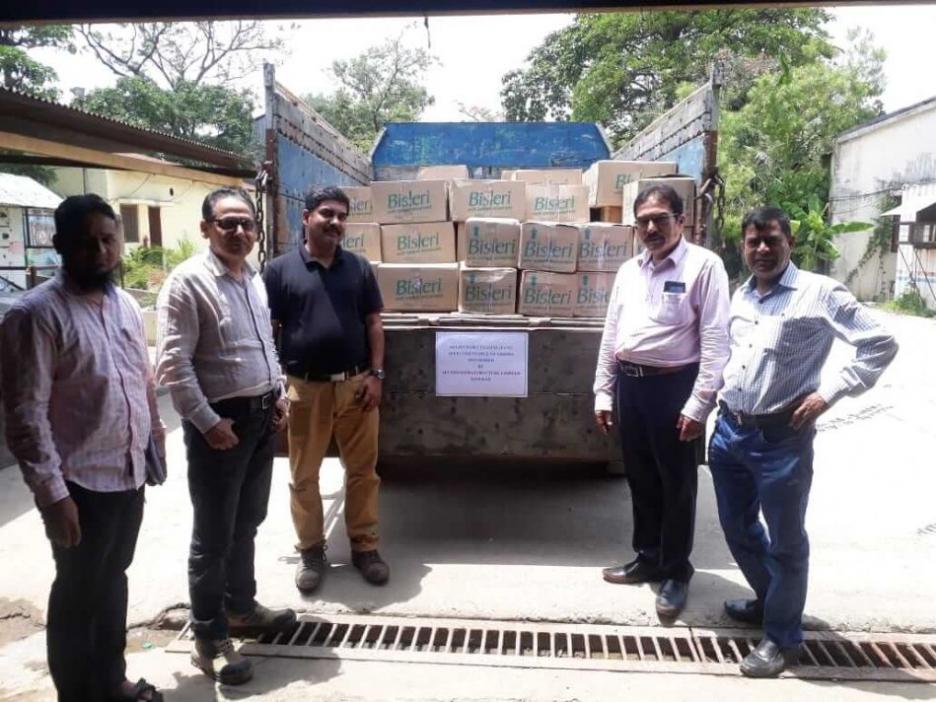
(867, 164)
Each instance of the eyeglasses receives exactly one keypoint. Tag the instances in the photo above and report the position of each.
(659, 220)
(230, 224)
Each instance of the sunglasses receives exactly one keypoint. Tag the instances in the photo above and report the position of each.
(230, 224)
(660, 220)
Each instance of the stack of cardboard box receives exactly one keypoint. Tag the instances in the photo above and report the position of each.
(523, 244)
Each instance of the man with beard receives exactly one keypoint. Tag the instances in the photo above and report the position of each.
(326, 306)
(664, 345)
(783, 321)
(216, 356)
(80, 407)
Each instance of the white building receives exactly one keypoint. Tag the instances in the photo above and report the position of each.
(874, 167)
(26, 228)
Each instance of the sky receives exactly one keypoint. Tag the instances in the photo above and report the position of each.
(474, 52)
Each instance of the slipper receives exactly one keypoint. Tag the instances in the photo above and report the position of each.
(142, 692)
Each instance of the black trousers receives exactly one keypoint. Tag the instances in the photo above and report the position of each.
(86, 628)
(662, 471)
(229, 491)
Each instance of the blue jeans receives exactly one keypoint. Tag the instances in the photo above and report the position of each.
(767, 470)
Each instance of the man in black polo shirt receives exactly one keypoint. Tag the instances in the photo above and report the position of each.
(326, 306)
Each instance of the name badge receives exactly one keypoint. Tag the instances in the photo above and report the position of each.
(674, 286)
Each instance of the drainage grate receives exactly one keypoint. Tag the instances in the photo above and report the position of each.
(826, 655)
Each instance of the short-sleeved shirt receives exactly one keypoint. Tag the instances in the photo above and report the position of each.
(322, 311)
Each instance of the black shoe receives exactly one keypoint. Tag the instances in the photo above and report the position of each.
(637, 571)
(311, 569)
(261, 620)
(672, 599)
(747, 611)
(768, 660)
(372, 566)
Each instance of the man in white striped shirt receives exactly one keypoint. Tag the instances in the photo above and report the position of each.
(80, 405)
(664, 344)
(783, 322)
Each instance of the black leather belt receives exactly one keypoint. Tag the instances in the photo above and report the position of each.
(636, 370)
(333, 377)
(756, 421)
(246, 404)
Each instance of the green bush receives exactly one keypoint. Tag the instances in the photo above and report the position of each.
(911, 302)
(145, 268)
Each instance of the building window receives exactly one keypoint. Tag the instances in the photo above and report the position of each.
(923, 235)
(130, 219)
(40, 228)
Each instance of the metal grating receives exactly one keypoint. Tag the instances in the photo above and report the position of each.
(826, 655)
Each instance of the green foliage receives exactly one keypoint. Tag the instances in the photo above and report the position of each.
(383, 84)
(814, 248)
(20, 71)
(210, 114)
(911, 302)
(623, 69)
(879, 243)
(145, 267)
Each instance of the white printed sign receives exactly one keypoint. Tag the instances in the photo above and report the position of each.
(481, 364)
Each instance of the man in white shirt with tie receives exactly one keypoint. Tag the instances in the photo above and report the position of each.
(659, 368)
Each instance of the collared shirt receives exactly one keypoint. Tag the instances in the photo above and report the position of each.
(780, 340)
(215, 340)
(78, 390)
(322, 310)
(667, 314)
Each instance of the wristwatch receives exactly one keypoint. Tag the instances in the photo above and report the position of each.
(378, 373)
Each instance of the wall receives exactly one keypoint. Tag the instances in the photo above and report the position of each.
(867, 165)
(916, 266)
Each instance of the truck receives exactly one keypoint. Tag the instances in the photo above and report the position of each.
(552, 418)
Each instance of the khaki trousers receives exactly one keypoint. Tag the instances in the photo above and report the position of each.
(316, 412)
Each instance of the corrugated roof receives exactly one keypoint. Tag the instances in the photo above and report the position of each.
(21, 191)
(37, 109)
(881, 119)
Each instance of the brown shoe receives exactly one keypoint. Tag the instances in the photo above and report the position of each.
(262, 620)
(374, 569)
(221, 661)
(311, 569)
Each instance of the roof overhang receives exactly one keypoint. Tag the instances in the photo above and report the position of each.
(120, 10)
(914, 210)
(32, 117)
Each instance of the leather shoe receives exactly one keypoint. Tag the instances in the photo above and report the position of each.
(374, 569)
(747, 611)
(768, 660)
(637, 571)
(672, 599)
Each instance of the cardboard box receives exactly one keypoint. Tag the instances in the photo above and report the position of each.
(442, 172)
(487, 198)
(606, 179)
(418, 288)
(488, 241)
(547, 294)
(686, 187)
(557, 203)
(487, 290)
(362, 204)
(507, 174)
(548, 176)
(428, 242)
(409, 201)
(603, 246)
(593, 293)
(548, 246)
(362, 239)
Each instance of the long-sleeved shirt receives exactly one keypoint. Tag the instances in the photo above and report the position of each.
(780, 341)
(78, 390)
(214, 338)
(668, 314)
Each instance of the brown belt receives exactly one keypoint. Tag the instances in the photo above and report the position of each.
(636, 370)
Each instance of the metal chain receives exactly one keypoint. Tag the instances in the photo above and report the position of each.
(260, 183)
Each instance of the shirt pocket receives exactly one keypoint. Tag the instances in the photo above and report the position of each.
(673, 309)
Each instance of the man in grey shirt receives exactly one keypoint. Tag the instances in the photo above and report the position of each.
(216, 356)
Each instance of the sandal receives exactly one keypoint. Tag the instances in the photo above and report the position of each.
(142, 692)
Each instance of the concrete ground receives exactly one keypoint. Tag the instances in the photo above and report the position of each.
(528, 543)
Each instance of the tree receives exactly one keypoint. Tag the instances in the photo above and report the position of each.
(22, 72)
(477, 113)
(381, 85)
(211, 114)
(173, 54)
(623, 69)
(775, 149)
